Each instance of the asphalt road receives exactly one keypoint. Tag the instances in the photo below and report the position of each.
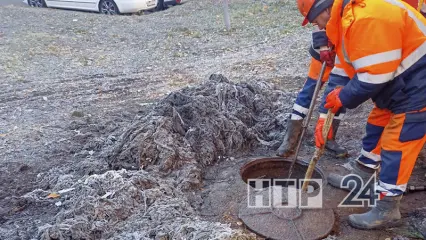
(8, 2)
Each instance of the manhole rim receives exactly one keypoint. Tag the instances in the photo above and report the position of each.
(252, 161)
(329, 230)
(256, 160)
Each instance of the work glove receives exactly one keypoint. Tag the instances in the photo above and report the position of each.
(327, 55)
(319, 140)
(333, 100)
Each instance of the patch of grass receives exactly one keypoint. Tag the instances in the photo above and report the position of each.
(188, 32)
(77, 114)
(54, 50)
(101, 60)
(84, 61)
(80, 31)
(12, 64)
(240, 12)
(178, 80)
(229, 32)
(285, 31)
(176, 84)
(40, 36)
(196, 34)
(170, 35)
(276, 18)
(20, 78)
(178, 54)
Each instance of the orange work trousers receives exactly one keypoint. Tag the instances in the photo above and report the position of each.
(393, 143)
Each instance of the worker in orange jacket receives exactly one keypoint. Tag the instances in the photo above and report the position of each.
(320, 51)
(369, 157)
(381, 48)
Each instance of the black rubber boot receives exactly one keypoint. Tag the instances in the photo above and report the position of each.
(384, 215)
(332, 145)
(362, 171)
(288, 146)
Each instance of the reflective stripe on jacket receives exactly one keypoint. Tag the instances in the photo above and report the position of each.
(381, 46)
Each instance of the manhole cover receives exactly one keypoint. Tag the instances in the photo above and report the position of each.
(277, 211)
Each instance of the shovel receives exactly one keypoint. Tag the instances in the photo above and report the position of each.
(307, 118)
(318, 151)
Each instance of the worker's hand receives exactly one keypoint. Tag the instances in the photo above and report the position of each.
(319, 140)
(327, 55)
(333, 101)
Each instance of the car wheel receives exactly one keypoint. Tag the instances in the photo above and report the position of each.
(108, 7)
(37, 3)
(160, 5)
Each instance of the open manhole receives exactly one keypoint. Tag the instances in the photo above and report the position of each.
(277, 209)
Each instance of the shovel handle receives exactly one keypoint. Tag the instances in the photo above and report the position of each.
(318, 151)
(307, 118)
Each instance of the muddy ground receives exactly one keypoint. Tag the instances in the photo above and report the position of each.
(73, 82)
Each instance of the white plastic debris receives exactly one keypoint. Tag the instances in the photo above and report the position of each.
(107, 195)
(65, 190)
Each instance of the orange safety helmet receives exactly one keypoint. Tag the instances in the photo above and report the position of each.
(310, 9)
(304, 7)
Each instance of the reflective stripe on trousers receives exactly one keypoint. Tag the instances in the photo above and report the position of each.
(376, 123)
(402, 140)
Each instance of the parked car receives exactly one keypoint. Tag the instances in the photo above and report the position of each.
(102, 6)
(163, 4)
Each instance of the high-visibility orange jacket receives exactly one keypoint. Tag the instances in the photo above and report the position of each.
(381, 47)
